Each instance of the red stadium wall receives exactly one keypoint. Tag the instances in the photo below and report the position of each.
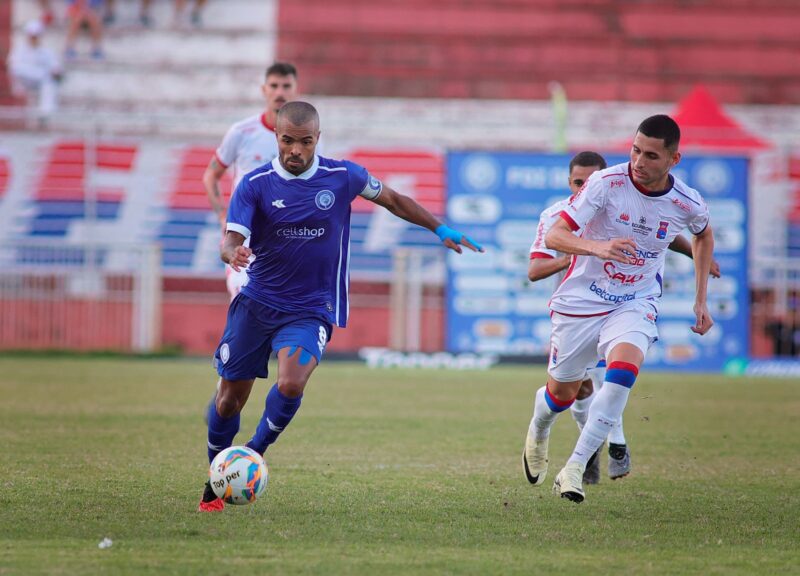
(744, 51)
(191, 325)
(195, 327)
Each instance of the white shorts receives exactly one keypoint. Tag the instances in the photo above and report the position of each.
(235, 281)
(580, 341)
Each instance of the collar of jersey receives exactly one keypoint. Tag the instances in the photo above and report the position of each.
(651, 194)
(286, 175)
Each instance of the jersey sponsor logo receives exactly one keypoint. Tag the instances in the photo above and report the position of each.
(661, 233)
(278, 204)
(300, 232)
(640, 256)
(641, 227)
(324, 199)
(616, 184)
(609, 297)
(612, 272)
(624, 218)
(682, 205)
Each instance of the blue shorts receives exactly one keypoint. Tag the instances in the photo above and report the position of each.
(254, 330)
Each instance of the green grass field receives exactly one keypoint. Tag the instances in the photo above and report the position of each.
(389, 472)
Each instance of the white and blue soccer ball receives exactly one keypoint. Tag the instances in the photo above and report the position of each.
(238, 475)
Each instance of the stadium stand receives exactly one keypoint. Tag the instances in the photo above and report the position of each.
(597, 49)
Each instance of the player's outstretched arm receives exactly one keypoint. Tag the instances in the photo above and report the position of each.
(560, 237)
(703, 249)
(211, 177)
(408, 209)
(232, 252)
(682, 245)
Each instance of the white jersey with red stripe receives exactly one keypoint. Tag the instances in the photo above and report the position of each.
(246, 146)
(611, 205)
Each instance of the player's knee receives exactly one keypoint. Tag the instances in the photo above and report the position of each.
(585, 390)
(291, 386)
(622, 373)
(559, 397)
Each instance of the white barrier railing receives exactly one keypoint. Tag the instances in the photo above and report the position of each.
(79, 296)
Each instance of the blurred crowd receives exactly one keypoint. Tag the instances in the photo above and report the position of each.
(36, 70)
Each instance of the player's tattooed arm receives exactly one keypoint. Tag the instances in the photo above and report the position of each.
(211, 177)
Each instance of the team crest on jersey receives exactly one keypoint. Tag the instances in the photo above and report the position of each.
(554, 355)
(224, 353)
(661, 233)
(324, 199)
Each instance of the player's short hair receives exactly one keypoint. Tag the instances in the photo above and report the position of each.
(298, 113)
(281, 69)
(663, 127)
(587, 158)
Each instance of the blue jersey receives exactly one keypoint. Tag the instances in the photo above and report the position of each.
(299, 230)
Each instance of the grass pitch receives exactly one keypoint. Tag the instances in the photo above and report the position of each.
(389, 472)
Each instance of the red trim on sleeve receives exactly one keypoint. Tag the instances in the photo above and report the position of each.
(541, 255)
(568, 219)
(219, 161)
(624, 366)
(265, 123)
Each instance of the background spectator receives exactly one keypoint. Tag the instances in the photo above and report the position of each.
(195, 16)
(36, 70)
(86, 12)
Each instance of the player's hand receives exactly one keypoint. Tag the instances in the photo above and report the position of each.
(454, 240)
(704, 321)
(240, 258)
(715, 271)
(617, 249)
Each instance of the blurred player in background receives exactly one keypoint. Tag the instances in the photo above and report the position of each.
(246, 146)
(296, 213)
(545, 262)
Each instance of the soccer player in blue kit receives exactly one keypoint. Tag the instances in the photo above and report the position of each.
(296, 213)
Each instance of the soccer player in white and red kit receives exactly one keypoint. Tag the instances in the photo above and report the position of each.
(608, 303)
(545, 263)
(248, 145)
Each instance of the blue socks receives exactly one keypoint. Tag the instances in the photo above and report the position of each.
(278, 412)
(221, 431)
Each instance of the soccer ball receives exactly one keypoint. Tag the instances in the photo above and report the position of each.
(238, 475)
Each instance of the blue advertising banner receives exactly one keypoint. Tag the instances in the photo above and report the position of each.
(492, 307)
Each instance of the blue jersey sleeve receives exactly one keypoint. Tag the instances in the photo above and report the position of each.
(242, 209)
(362, 183)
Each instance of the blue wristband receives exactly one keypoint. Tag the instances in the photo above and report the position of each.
(443, 231)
